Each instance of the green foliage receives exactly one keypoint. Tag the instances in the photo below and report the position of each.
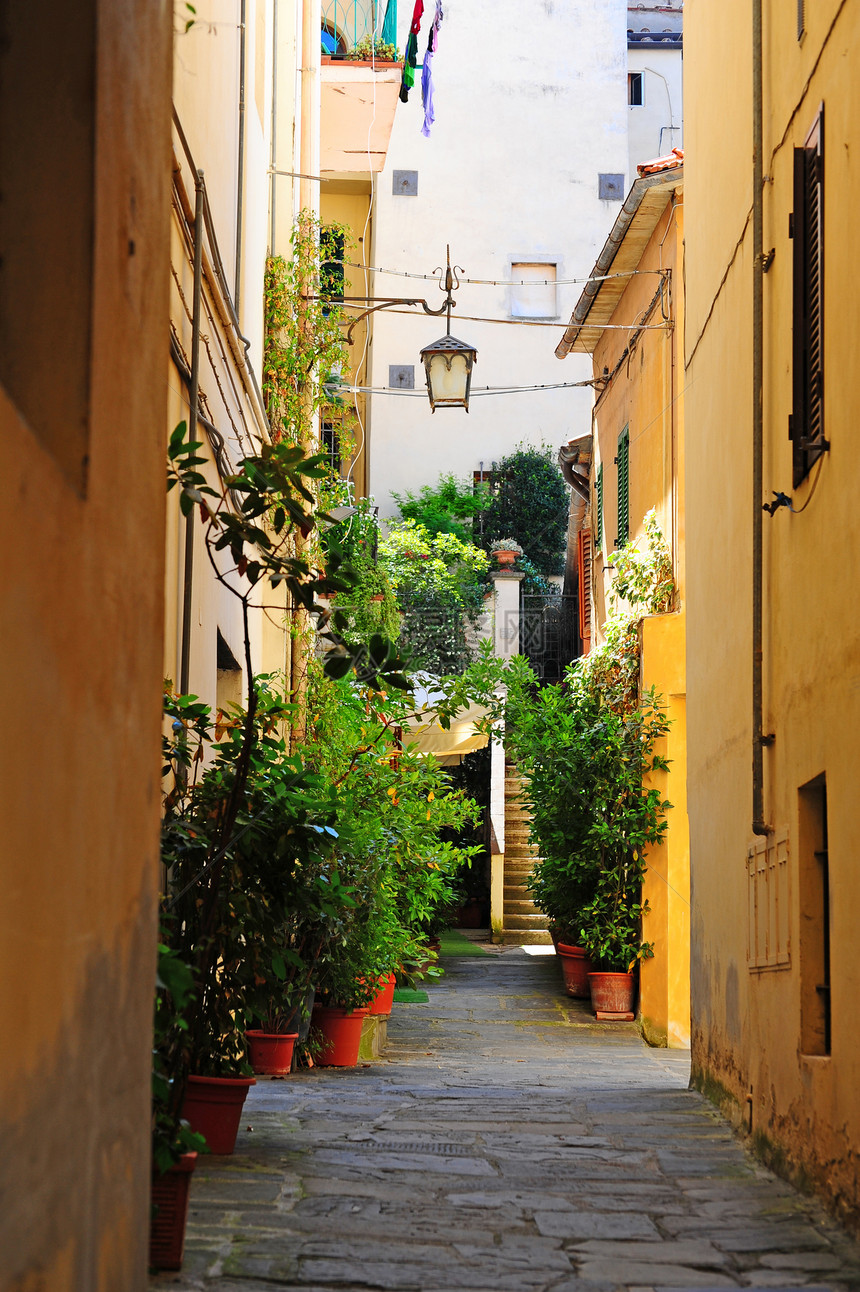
(536, 584)
(396, 812)
(592, 816)
(531, 503)
(439, 582)
(174, 989)
(370, 605)
(644, 579)
(304, 341)
(448, 507)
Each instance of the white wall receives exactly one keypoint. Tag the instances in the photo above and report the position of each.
(529, 109)
(650, 132)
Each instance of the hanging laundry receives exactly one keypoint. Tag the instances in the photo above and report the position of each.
(410, 61)
(389, 24)
(427, 90)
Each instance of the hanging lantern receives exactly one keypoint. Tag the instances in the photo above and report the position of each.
(448, 364)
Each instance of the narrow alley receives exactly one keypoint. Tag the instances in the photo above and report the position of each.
(505, 1142)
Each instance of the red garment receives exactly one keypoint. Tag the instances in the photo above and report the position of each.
(417, 15)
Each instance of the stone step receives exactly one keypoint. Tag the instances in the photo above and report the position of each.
(525, 938)
(520, 851)
(522, 907)
(536, 921)
(517, 892)
(517, 874)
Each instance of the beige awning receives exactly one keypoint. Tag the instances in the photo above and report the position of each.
(461, 738)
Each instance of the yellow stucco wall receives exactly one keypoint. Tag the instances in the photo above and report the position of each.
(81, 625)
(646, 396)
(749, 1046)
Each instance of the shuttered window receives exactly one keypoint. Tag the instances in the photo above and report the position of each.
(583, 563)
(599, 484)
(806, 424)
(623, 463)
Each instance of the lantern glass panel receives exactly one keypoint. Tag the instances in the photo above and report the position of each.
(448, 375)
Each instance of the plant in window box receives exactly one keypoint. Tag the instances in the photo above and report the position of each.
(373, 48)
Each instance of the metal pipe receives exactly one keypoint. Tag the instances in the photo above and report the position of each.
(240, 175)
(759, 825)
(273, 165)
(193, 396)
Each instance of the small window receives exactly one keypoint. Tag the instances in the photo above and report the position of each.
(330, 443)
(331, 266)
(806, 424)
(623, 463)
(634, 89)
(598, 486)
(814, 874)
(533, 290)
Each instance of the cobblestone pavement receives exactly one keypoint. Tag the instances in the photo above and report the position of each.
(507, 1142)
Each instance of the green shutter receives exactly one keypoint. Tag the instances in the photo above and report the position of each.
(623, 461)
(599, 543)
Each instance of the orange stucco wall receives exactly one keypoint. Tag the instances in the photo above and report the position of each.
(80, 623)
(646, 396)
(749, 1047)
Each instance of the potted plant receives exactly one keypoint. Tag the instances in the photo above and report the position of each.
(174, 1145)
(506, 551)
(373, 49)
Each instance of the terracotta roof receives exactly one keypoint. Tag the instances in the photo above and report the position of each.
(672, 162)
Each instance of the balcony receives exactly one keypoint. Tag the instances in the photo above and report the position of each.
(358, 97)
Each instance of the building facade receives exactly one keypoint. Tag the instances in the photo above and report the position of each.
(630, 319)
(772, 634)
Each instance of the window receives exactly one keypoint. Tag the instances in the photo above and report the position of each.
(623, 464)
(768, 924)
(48, 111)
(333, 44)
(806, 424)
(583, 572)
(635, 83)
(814, 877)
(598, 486)
(331, 263)
(533, 289)
(330, 443)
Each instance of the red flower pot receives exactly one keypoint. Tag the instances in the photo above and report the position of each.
(612, 993)
(341, 1032)
(575, 967)
(170, 1204)
(271, 1053)
(384, 999)
(213, 1108)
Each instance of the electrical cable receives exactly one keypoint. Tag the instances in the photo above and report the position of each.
(508, 282)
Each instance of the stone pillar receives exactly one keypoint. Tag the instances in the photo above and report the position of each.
(506, 642)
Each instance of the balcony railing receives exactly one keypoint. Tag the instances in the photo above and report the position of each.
(346, 23)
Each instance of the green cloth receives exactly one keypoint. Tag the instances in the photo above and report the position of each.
(410, 996)
(389, 24)
(454, 944)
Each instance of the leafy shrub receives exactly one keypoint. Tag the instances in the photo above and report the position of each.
(531, 503)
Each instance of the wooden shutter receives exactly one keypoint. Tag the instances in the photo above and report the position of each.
(599, 482)
(806, 425)
(623, 463)
(583, 564)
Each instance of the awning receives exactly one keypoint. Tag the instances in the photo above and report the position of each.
(461, 738)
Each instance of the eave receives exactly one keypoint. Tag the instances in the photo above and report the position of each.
(621, 254)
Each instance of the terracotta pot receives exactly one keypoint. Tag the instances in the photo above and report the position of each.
(612, 993)
(383, 1001)
(271, 1053)
(505, 558)
(170, 1212)
(575, 967)
(213, 1108)
(341, 1031)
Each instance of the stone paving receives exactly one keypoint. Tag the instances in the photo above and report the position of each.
(507, 1143)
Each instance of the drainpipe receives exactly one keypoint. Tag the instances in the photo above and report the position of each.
(240, 176)
(759, 825)
(273, 179)
(193, 393)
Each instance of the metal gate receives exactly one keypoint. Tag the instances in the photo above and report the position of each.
(549, 634)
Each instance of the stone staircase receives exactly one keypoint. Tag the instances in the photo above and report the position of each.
(523, 923)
